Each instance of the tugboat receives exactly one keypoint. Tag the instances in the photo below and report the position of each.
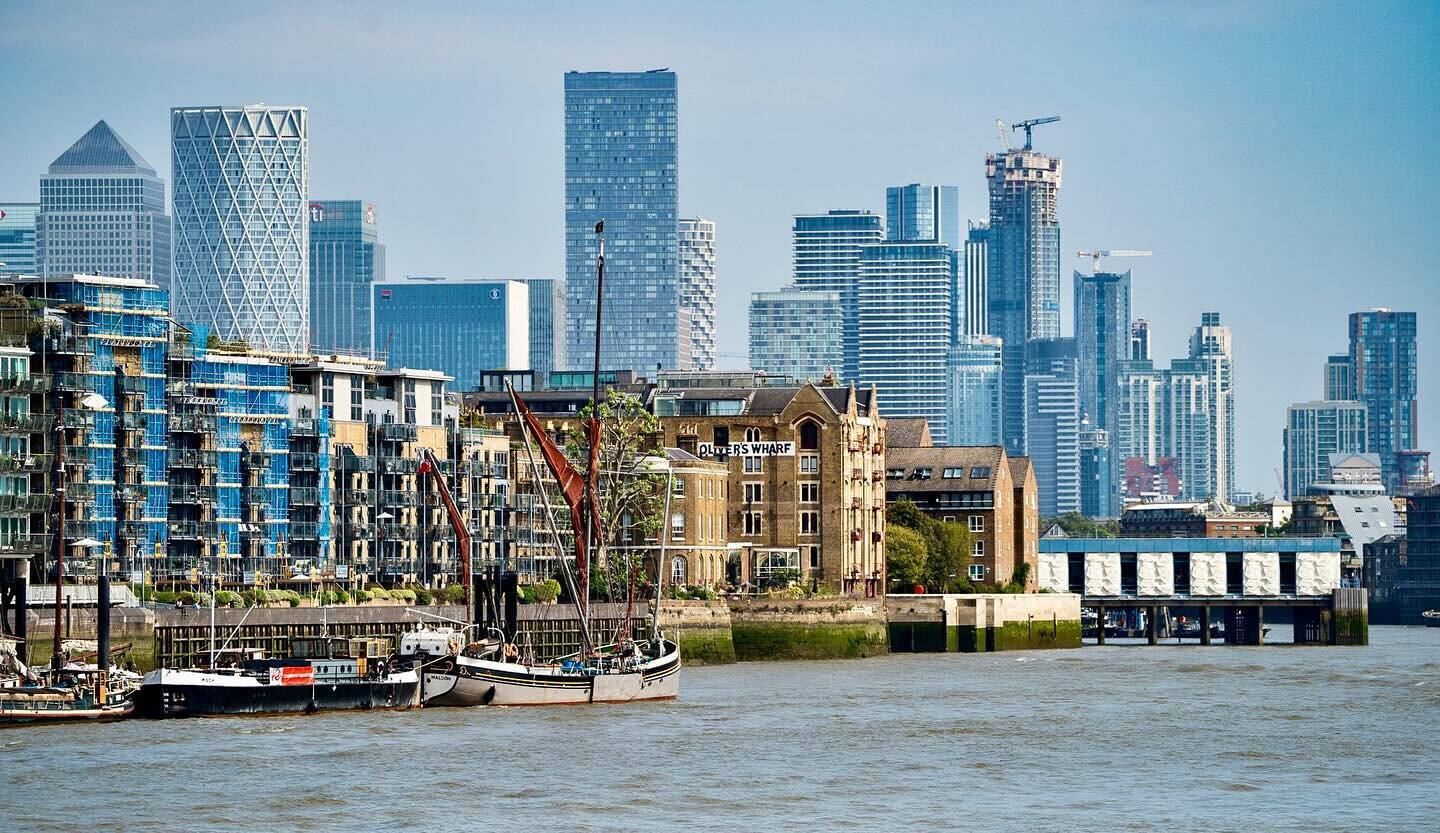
(321, 674)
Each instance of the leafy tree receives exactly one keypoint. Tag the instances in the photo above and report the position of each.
(905, 555)
(1077, 525)
(948, 546)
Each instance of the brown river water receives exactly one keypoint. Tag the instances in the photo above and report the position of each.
(1125, 737)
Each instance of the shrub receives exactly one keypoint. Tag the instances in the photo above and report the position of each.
(168, 597)
(343, 597)
(453, 594)
(379, 593)
(424, 597)
(526, 595)
(546, 591)
(363, 596)
(405, 595)
(227, 598)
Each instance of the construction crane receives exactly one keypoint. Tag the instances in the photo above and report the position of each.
(1096, 255)
(1030, 124)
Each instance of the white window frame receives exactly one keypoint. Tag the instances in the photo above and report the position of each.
(977, 572)
(809, 463)
(754, 492)
(811, 486)
(977, 523)
(809, 522)
(677, 525)
(979, 550)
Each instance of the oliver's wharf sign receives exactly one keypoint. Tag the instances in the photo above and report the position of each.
(775, 449)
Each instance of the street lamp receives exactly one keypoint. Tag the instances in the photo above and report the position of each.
(379, 556)
(92, 401)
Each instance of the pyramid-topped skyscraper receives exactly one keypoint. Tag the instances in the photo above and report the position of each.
(102, 210)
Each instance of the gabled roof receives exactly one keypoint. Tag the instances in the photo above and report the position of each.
(969, 459)
(100, 150)
(908, 432)
(1018, 468)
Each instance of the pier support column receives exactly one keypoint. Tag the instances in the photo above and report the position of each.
(1259, 625)
(1205, 625)
(1100, 626)
(1152, 625)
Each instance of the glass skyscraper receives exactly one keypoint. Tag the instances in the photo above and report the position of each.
(1097, 493)
(1024, 251)
(1052, 423)
(1338, 382)
(242, 224)
(826, 257)
(697, 288)
(17, 238)
(1384, 375)
(1314, 431)
(974, 416)
(547, 322)
(1102, 342)
(925, 213)
(102, 211)
(905, 331)
(1200, 412)
(973, 317)
(795, 333)
(345, 259)
(460, 327)
(622, 166)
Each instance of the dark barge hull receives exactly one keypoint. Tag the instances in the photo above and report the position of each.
(156, 701)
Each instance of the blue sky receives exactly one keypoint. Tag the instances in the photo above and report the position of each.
(1277, 156)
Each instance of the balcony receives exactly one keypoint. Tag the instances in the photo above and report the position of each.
(304, 496)
(24, 384)
(190, 494)
(191, 424)
(28, 544)
(191, 458)
(396, 432)
(397, 532)
(192, 530)
(396, 498)
(255, 460)
(25, 423)
(305, 427)
(25, 504)
(357, 497)
(357, 531)
(304, 531)
(351, 462)
(24, 462)
(304, 461)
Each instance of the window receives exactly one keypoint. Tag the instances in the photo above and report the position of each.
(754, 465)
(810, 492)
(810, 522)
(678, 568)
(814, 556)
(923, 473)
(754, 492)
(809, 463)
(677, 525)
(809, 435)
(626, 523)
(894, 474)
(752, 435)
(754, 523)
(722, 440)
(977, 523)
(977, 572)
(677, 488)
(952, 473)
(979, 472)
(980, 549)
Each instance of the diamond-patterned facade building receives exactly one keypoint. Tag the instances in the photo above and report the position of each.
(242, 250)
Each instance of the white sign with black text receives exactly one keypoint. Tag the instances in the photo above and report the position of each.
(775, 449)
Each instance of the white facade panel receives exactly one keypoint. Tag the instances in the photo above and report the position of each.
(1156, 573)
(1207, 573)
(1055, 572)
(1102, 573)
(1261, 574)
(1316, 573)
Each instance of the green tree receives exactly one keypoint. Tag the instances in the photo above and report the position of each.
(1077, 525)
(949, 549)
(905, 556)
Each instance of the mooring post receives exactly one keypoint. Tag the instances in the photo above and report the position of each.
(1259, 625)
(1205, 625)
(1100, 625)
(1152, 625)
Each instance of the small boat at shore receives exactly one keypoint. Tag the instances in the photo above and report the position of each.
(491, 673)
(321, 674)
(1431, 618)
(77, 692)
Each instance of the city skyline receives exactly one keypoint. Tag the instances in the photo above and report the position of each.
(1214, 237)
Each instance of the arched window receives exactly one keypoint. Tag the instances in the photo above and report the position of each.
(677, 571)
(752, 435)
(809, 435)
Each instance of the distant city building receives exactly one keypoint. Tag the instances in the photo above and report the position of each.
(974, 315)
(547, 325)
(1383, 367)
(697, 288)
(1201, 412)
(797, 334)
(1052, 423)
(905, 304)
(1159, 480)
(1197, 519)
(1024, 269)
(1339, 382)
(622, 167)
(1103, 341)
(460, 327)
(1417, 585)
(1314, 431)
(1097, 489)
(242, 226)
(1415, 474)
(17, 238)
(974, 415)
(1140, 340)
(923, 213)
(826, 251)
(346, 257)
(102, 211)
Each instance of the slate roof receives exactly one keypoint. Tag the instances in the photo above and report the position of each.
(100, 150)
(939, 458)
(908, 432)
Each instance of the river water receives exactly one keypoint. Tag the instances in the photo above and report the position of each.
(1121, 737)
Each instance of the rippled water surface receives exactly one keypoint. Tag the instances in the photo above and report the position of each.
(1124, 738)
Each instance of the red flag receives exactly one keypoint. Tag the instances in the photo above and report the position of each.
(572, 488)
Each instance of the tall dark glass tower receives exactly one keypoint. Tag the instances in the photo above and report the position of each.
(345, 259)
(1024, 274)
(1102, 340)
(622, 166)
(826, 250)
(1384, 376)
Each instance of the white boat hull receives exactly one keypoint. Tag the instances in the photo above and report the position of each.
(478, 682)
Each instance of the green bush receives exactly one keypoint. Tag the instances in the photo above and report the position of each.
(343, 597)
(379, 593)
(453, 594)
(424, 597)
(546, 591)
(363, 596)
(405, 595)
(526, 595)
(168, 597)
(227, 598)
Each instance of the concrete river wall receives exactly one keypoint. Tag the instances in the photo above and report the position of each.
(976, 623)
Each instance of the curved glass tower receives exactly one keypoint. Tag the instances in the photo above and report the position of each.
(242, 252)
